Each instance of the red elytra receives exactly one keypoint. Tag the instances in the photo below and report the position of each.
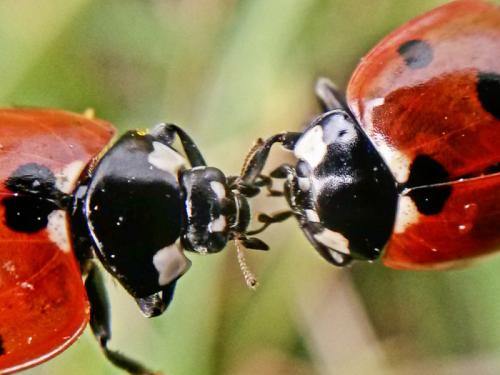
(432, 88)
(43, 303)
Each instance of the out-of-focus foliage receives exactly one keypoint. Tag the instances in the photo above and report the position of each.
(231, 71)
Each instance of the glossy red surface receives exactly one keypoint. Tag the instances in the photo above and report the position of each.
(43, 305)
(431, 107)
(467, 227)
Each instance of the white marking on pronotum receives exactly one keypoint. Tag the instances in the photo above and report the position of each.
(170, 262)
(57, 227)
(217, 225)
(310, 147)
(406, 215)
(67, 177)
(333, 240)
(165, 158)
(218, 189)
(339, 131)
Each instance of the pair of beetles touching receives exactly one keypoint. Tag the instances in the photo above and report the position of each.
(405, 166)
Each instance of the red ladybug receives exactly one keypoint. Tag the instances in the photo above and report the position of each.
(409, 161)
(64, 204)
(43, 304)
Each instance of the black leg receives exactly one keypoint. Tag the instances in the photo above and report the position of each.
(329, 96)
(267, 220)
(267, 182)
(101, 326)
(257, 157)
(166, 133)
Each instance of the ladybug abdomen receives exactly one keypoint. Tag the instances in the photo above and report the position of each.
(465, 227)
(428, 96)
(43, 304)
(443, 120)
(433, 88)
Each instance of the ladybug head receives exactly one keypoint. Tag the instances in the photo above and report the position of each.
(216, 212)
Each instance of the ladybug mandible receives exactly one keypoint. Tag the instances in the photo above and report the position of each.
(409, 161)
(135, 208)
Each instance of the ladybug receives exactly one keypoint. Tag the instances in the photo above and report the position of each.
(65, 204)
(407, 166)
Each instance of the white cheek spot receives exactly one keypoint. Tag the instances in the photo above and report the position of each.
(310, 147)
(170, 262)
(66, 178)
(339, 131)
(165, 158)
(218, 189)
(398, 163)
(312, 216)
(407, 214)
(57, 227)
(217, 225)
(333, 240)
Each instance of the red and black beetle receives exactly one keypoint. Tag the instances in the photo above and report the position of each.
(409, 161)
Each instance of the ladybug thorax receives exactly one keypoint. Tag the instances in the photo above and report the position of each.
(345, 191)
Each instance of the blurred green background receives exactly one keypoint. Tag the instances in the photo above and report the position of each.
(230, 71)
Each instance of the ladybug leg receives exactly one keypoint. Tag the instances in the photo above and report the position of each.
(267, 182)
(257, 157)
(100, 323)
(329, 96)
(166, 133)
(267, 220)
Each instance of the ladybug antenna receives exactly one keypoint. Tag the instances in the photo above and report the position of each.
(248, 275)
(257, 146)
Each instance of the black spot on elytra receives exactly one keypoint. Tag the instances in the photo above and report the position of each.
(2, 349)
(430, 200)
(416, 53)
(495, 168)
(426, 171)
(36, 196)
(488, 92)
